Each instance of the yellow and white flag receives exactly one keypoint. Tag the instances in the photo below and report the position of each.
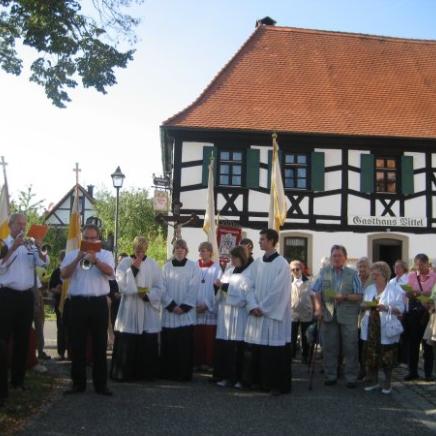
(73, 240)
(4, 213)
(278, 206)
(209, 226)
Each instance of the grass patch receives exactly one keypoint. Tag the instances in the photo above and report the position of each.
(23, 404)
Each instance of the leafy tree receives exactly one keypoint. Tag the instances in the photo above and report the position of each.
(69, 43)
(136, 217)
(28, 205)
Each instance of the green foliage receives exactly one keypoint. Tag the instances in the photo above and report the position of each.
(70, 44)
(29, 206)
(136, 217)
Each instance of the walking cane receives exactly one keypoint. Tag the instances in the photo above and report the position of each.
(313, 356)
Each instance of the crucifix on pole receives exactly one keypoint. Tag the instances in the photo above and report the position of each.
(178, 220)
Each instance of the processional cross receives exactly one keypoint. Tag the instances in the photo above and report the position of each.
(179, 220)
(77, 170)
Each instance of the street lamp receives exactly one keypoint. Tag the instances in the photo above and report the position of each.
(117, 181)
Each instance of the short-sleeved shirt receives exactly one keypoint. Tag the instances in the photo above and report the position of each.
(91, 282)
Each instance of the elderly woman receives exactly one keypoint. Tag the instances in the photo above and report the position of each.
(135, 354)
(382, 304)
(301, 308)
(421, 281)
(181, 280)
(232, 318)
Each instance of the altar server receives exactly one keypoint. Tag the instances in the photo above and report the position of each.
(232, 319)
(138, 322)
(268, 331)
(206, 307)
(181, 279)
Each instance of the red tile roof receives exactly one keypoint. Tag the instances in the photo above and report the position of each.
(308, 81)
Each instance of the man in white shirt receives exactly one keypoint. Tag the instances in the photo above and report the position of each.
(89, 315)
(17, 278)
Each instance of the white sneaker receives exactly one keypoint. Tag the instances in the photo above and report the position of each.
(222, 383)
(387, 391)
(238, 386)
(371, 388)
(40, 368)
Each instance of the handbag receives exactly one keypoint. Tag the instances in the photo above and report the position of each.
(393, 326)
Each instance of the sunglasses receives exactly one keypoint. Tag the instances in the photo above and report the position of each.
(295, 269)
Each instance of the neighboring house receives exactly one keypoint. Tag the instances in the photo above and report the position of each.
(356, 121)
(59, 215)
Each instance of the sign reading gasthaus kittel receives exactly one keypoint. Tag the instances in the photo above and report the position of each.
(391, 221)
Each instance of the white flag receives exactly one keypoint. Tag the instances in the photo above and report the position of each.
(278, 206)
(209, 217)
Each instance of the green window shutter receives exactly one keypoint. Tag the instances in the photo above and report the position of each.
(252, 168)
(367, 173)
(269, 168)
(317, 170)
(207, 153)
(407, 185)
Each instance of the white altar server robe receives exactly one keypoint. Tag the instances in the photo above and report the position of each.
(180, 284)
(232, 311)
(206, 293)
(271, 293)
(134, 314)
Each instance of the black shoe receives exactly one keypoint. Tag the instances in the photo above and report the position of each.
(330, 382)
(275, 393)
(74, 390)
(429, 378)
(2, 402)
(411, 377)
(44, 356)
(105, 391)
(351, 385)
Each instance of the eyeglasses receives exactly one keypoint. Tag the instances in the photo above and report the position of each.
(295, 269)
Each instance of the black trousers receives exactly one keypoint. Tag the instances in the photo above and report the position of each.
(415, 325)
(177, 353)
(268, 367)
(89, 316)
(304, 346)
(16, 315)
(228, 360)
(62, 330)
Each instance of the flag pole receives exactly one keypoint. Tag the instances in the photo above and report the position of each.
(3, 164)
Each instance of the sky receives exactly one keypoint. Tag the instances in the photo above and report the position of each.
(182, 45)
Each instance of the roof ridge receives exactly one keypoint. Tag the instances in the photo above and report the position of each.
(349, 34)
(215, 78)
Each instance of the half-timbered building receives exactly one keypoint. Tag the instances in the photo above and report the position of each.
(356, 121)
(59, 214)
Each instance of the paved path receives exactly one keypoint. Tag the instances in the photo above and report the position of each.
(198, 408)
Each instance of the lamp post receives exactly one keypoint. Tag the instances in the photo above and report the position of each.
(117, 180)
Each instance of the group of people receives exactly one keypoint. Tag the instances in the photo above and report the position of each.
(192, 315)
(243, 324)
